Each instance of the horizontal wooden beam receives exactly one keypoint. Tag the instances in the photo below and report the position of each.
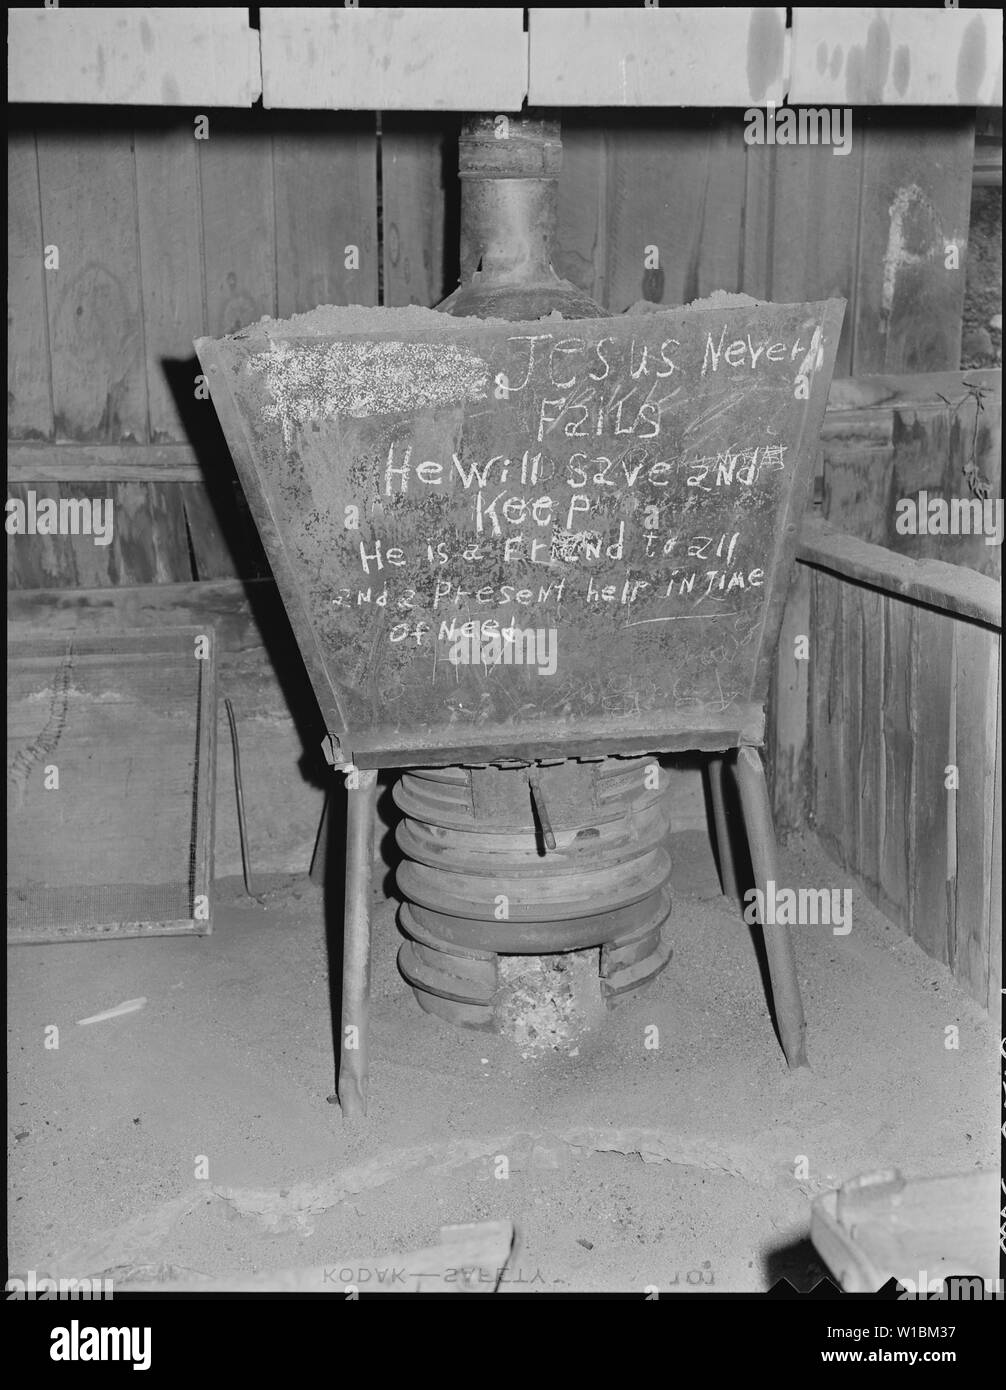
(103, 463)
(394, 59)
(895, 57)
(133, 57)
(657, 57)
(988, 170)
(919, 391)
(242, 610)
(861, 410)
(482, 60)
(950, 588)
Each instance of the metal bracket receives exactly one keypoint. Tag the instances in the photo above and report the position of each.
(332, 750)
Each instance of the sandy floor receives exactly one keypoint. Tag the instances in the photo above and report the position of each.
(194, 1135)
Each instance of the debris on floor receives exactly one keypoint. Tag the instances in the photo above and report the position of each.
(673, 1143)
(548, 1003)
(129, 1006)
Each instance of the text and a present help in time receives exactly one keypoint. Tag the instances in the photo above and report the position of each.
(618, 483)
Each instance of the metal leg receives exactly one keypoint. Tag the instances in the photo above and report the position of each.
(778, 946)
(718, 768)
(353, 1064)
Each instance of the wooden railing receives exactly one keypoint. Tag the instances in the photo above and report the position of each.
(886, 738)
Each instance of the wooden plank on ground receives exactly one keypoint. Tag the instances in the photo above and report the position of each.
(417, 187)
(93, 300)
(878, 1227)
(133, 57)
(170, 224)
(325, 179)
(654, 56)
(914, 217)
(905, 57)
(29, 399)
(389, 59)
(976, 672)
(930, 894)
(239, 234)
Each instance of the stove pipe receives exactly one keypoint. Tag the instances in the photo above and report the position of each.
(509, 170)
(576, 849)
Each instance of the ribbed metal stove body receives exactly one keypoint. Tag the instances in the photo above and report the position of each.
(479, 882)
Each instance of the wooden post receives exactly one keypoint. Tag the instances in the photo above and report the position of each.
(717, 770)
(778, 945)
(353, 1052)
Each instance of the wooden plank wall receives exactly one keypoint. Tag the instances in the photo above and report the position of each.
(884, 438)
(886, 738)
(162, 237)
(890, 438)
(637, 180)
(902, 695)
